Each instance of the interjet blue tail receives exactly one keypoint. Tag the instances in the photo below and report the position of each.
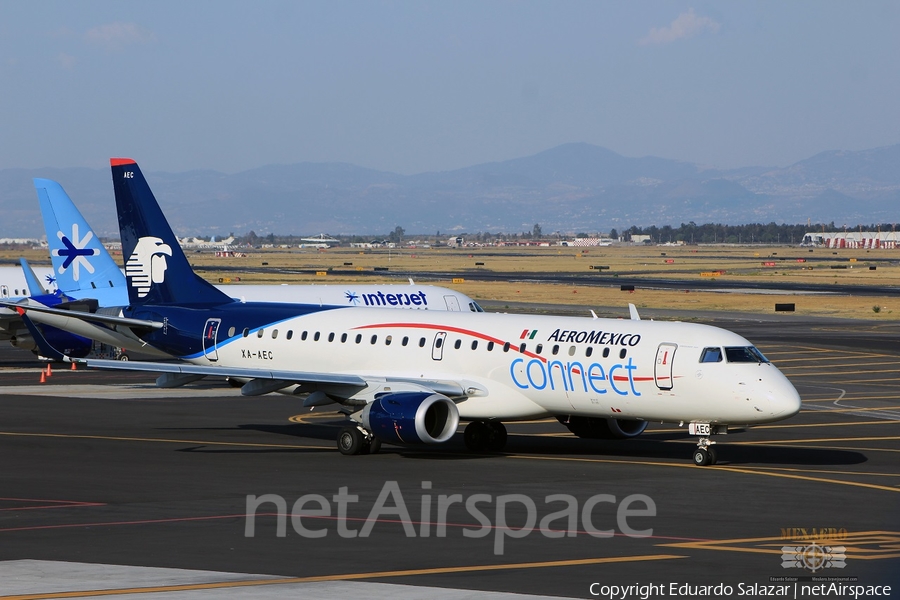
(80, 262)
(156, 268)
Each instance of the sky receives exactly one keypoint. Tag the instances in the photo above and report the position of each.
(422, 86)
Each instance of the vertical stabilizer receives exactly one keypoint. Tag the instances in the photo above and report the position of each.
(156, 268)
(80, 262)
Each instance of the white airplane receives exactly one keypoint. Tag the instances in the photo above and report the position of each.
(410, 377)
(84, 270)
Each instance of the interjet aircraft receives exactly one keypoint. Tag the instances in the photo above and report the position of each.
(410, 377)
(84, 276)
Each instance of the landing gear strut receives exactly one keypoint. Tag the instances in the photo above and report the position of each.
(481, 436)
(356, 440)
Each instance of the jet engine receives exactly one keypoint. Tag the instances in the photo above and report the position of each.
(603, 429)
(67, 343)
(411, 418)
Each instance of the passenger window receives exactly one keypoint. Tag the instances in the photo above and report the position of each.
(571, 350)
(290, 334)
(259, 333)
(405, 341)
(622, 353)
(388, 340)
(711, 355)
(316, 336)
(343, 337)
(490, 346)
(474, 344)
(231, 332)
(438, 342)
(506, 347)
(605, 352)
(374, 339)
(274, 333)
(539, 348)
(522, 348)
(246, 331)
(555, 350)
(358, 338)
(589, 350)
(331, 337)
(303, 337)
(421, 342)
(457, 344)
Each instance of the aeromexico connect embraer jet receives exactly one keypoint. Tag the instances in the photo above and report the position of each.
(86, 277)
(409, 377)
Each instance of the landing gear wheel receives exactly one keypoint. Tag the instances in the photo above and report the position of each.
(713, 455)
(374, 446)
(496, 437)
(476, 436)
(701, 457)
(350, 440)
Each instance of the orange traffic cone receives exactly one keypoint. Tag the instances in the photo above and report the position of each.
(74, 367)
(49, 371)
(43, 377)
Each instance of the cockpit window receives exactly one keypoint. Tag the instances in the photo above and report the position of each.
(473, 307)
(711, 355)
(744, 354)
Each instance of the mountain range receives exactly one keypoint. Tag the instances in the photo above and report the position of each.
(571, 188)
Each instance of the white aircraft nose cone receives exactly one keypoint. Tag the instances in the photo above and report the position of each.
(785, 400)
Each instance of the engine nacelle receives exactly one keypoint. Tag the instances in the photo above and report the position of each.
(411, 418)
(604, 429)
(67, 343)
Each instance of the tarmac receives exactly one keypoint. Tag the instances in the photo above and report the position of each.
(110, 486)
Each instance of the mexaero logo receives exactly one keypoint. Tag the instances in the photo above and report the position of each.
(75, 252)
(528, 334)
(147, 264)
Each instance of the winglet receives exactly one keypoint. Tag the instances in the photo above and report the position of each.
(31, 280)
(43, 345)
(632, 310)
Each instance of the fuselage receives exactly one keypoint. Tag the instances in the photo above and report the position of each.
(518, 367)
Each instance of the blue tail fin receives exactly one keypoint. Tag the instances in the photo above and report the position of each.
(80, 261)
(156, 268)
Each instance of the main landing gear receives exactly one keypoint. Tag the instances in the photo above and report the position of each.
(485, 436)
(356, 440)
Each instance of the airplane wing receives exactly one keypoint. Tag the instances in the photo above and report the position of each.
(344, 388)
(83, 316)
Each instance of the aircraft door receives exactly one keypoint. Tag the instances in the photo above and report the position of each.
(210, 333)
(662, 371)
(452, 303)
(437, 348)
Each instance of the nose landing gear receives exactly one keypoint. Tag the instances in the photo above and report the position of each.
(705, 454)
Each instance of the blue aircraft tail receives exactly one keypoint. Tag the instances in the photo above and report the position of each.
(80, 262)
(156, 268)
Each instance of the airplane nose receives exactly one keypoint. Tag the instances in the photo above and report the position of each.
(785, 400)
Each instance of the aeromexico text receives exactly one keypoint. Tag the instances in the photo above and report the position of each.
(602, 338)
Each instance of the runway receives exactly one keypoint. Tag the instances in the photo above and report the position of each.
(104, 469)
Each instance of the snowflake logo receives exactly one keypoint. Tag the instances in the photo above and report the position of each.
(75, 252)
(352, 298)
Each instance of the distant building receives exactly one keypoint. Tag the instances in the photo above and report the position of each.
(887, 240)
